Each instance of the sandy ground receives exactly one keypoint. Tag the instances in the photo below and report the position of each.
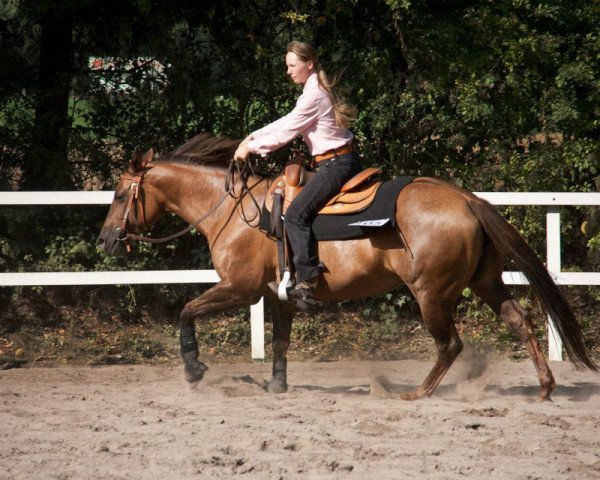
(339, 420)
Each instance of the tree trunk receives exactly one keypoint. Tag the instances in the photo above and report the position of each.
(46, 166)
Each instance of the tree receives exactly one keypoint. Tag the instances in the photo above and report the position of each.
(45, 165)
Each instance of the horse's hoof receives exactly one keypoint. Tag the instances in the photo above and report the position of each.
(544, 395)
(412, 395)
(277, 386)
(194, 371)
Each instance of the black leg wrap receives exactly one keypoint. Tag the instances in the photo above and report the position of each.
(280, 368)
(187, 339)
(278, 383)
(194, 369)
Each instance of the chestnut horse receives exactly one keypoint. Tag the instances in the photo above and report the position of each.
(446, 239)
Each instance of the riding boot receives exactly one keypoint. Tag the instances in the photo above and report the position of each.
(301, 295)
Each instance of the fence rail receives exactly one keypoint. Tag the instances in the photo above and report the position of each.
(552, 200)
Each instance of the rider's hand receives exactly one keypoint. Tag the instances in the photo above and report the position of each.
(242, 152)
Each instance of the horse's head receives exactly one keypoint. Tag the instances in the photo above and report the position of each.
(131, 211)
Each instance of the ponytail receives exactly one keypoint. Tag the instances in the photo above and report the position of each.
(345, 113)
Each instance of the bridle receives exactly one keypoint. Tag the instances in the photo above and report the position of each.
(121, 232)
(135, 198)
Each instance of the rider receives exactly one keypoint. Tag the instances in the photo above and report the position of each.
(323, 120)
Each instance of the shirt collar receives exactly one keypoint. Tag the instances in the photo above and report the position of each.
(311, 82)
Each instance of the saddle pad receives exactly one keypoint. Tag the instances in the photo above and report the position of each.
(381, 214)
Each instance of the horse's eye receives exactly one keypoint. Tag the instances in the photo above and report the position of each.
(120, 197)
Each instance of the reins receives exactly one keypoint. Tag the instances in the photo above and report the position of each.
(189, 228)
(243, 175)
(230, 181)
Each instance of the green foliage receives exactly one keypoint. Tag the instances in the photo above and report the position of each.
(308, 331)
(387, 306)
(451, 90)
(472, 309)
(66, 254)
(388, 329)
(141, 347)
(385, 312)
(233, 331)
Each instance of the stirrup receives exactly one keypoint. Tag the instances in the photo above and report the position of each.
(283, 287)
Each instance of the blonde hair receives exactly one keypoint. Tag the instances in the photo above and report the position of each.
(345, 113)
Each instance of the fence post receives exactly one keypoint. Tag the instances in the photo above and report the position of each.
(554, 266)
(257, 329)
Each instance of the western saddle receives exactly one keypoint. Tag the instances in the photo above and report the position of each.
(356, 194)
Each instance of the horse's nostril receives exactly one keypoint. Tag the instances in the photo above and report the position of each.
(100, 242)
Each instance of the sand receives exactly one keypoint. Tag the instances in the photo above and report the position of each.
(339, 420)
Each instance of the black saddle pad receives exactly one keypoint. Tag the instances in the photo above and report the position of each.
(381, 214)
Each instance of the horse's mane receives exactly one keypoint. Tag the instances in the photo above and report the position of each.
(203, 149)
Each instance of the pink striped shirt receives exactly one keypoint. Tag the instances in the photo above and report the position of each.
(313, 117)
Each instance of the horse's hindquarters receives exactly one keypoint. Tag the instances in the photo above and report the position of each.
(443, 238)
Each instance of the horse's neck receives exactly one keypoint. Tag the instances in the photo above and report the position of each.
(196, 194)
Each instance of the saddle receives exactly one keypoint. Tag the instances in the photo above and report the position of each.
(356, 194)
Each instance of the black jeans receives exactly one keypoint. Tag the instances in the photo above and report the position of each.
(328, 181)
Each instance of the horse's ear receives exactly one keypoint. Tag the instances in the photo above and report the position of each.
(135, 161)
(147, 158)
(139, 161)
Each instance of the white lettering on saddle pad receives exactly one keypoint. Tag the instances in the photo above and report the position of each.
(370, 223)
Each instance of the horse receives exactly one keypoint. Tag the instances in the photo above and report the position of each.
(446, 239)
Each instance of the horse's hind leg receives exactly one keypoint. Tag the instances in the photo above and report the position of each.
(488, 285)
(437, 317)
(282, 314)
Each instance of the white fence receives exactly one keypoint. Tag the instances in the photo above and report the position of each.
(553, 202)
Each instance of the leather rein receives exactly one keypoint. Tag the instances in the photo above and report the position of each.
(136, 194)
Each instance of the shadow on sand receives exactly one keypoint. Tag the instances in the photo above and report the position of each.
(380, 386)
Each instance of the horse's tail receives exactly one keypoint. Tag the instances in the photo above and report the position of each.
(511, 244)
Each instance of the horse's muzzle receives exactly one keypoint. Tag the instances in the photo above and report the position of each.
(114, 245)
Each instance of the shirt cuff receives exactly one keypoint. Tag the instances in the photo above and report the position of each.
(263, 145)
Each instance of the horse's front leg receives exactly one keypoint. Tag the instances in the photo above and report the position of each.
(223, 296)
(282, 314)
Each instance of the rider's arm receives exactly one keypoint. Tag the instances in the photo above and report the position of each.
(284, 130)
